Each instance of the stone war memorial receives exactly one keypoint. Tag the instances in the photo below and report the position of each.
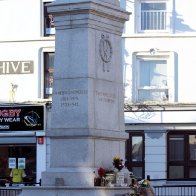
(87, 115)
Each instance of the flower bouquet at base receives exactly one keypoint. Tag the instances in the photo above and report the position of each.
(117, 163)
(100, 180)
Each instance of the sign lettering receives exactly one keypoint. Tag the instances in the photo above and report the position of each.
(10, 113)
(16, 67)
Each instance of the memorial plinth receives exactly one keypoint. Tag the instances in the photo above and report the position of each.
(87, 124)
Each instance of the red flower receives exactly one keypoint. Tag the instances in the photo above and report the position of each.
(101, 172)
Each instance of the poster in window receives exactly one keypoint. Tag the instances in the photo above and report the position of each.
(21, 163)
(12, 163)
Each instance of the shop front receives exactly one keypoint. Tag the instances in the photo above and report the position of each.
(162, 143)
(21, 144)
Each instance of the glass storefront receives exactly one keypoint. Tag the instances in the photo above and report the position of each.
(15, 152)
(18, 145)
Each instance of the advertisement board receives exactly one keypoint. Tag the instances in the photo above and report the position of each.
(21, 118)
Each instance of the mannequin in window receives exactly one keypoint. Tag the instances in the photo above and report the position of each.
(17, 175)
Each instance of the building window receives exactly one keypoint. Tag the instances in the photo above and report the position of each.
(154, 16)
(48, 22)
(48, 73)
(181, 155)
(153, 78)
(135, 154)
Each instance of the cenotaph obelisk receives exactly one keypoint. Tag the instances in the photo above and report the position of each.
(87, 124)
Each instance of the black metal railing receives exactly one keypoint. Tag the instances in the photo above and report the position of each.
(174, 187)
(175, 190)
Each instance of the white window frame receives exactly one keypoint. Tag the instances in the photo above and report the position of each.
(158, 55)
(42, 89)
(169, 8)
(46, 31)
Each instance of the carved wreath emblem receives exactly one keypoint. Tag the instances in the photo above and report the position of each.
(105, 49)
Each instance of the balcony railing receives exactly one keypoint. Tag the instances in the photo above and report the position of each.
(153, 20)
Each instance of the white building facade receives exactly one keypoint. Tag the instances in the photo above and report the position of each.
(26, 68)
(159, 44)
(159, 76)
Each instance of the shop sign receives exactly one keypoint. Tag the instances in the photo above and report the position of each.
(16, 67)
(40, 140)
(21, 118)
(150, 116)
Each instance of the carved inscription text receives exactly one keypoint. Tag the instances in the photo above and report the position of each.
(70, 97)
(106, 97)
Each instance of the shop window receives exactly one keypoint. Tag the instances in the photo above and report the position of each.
(135, 154)
(153, 15)
(48, 73)
(18, 156)
(181, 155)
(153, 78)
(49, 28)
